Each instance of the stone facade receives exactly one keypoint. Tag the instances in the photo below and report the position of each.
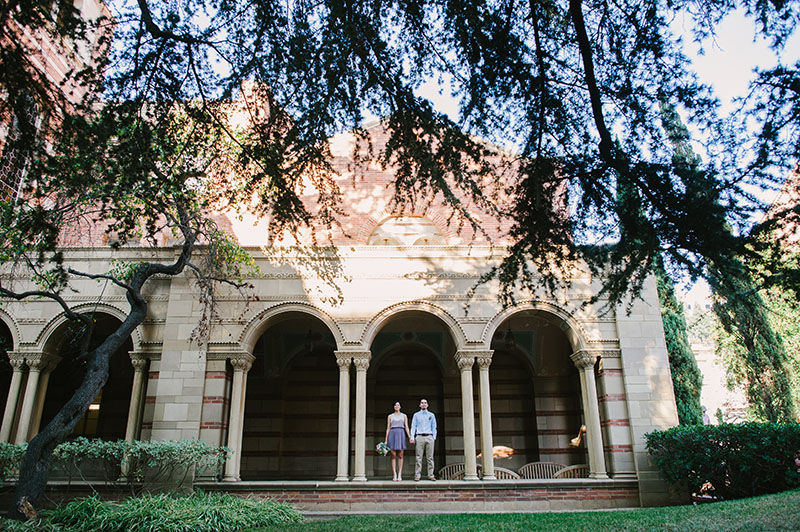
(299, 372)
(299, 382)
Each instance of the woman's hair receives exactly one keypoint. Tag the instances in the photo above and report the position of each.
(395, 403)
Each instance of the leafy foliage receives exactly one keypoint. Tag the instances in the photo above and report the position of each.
(758, 357)
(573, 88)
(783, 314)
(133, 465)
(739, 460)
(10, 458)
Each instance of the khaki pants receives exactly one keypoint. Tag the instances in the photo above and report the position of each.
(424, 446)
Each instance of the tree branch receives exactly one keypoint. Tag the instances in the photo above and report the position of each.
(156, 31)
(585, 47)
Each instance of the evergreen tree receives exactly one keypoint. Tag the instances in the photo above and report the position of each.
(687, 380)
(144, 148)
(759, 359)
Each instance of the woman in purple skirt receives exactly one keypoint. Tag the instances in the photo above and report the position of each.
(396, 432)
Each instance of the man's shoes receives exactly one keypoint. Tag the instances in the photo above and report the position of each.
(416, 479)
(432, 478)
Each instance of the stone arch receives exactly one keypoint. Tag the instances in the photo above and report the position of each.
(413, 348)
(569, 325)
(267, 317)
(9, 341)
(48, 341)
(13, 328)
(289, 415)
(383, 317)
(106, 417)
(540, 387)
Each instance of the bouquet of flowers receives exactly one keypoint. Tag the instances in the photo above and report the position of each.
(382, 448)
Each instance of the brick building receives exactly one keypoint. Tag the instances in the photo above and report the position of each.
(59, 62)
(298, 382)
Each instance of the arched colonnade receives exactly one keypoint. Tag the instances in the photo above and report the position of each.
(44, 373)
(470, 358)
(463, 364)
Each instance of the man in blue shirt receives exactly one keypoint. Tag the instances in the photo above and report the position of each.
(423, 434)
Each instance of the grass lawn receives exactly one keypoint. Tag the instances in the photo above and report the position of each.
(768, 513)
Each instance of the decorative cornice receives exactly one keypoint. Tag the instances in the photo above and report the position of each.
(233, 352)
(422, 276)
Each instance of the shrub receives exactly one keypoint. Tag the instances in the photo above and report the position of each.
(200, 512)
(10, 459)
(154, 463)
(738, 460)
(159, 462)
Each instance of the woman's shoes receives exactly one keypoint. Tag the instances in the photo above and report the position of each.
(397, 478)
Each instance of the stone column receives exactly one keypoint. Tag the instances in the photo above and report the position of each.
(344, 361)
(241, 422)
(18, 363)
(465, 362)
(361, 362)
(44, 379)
(139, 363)
(36, 363)
(241, 365)
(585, 360)
(484, 359)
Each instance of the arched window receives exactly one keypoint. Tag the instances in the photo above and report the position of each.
(406, 231)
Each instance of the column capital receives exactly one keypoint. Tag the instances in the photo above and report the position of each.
(16, 359)
(361, 361)
(41, 362)
(465, 360)
(344, 360)
(241, 361)
(585, 358)
(484, 359)
(138, 361)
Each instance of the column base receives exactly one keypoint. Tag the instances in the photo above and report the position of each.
(489, 477)
(601, 476)
(359, 479)
(231, 479)
(471, 477)
(342, 479)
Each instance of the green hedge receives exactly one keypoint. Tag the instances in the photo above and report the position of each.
(148, 463)
(738, 461)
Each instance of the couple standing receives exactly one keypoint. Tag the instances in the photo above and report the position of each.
(422, 432)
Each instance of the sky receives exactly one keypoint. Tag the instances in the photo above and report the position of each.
(728, 60)
(727, 64)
